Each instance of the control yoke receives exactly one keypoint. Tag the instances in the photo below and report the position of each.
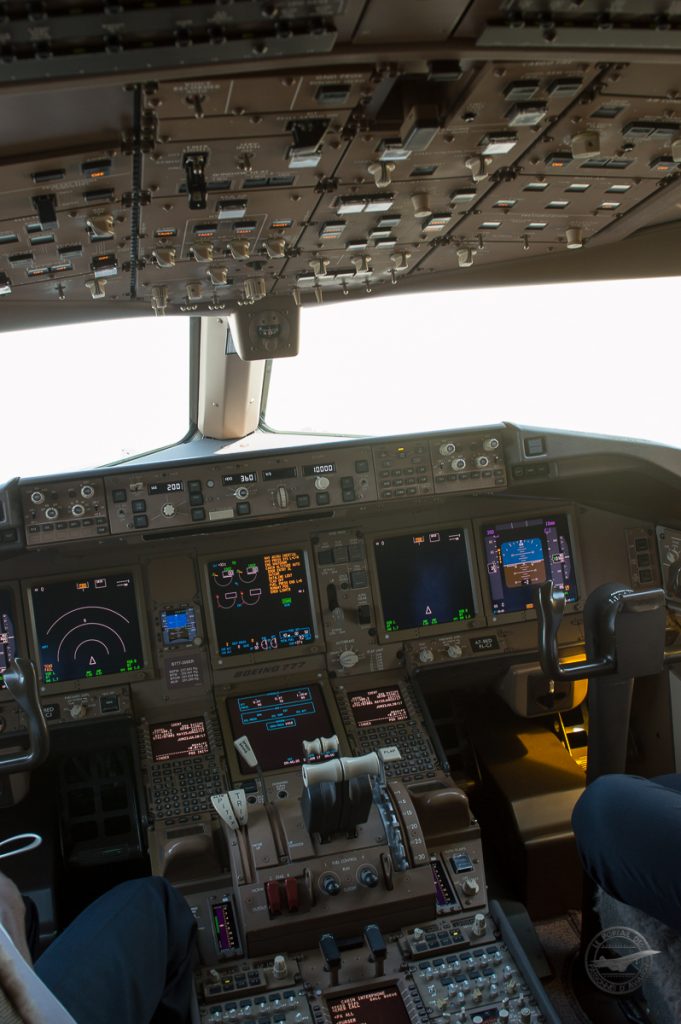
(624, 633)
(21, 681)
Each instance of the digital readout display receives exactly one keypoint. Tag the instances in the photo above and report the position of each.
(521, 555)
(170, 487)
(277, 721)
(320, 469)
(87, 627)
(285, 473)
(186, 737)
(424, 579)
(373, 1007)
(381, 706)
(232, 479)
(261, 603)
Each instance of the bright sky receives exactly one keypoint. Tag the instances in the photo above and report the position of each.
(593, 357)
(85, 395)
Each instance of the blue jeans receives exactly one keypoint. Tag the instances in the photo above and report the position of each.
(628, 832)
(126, 959)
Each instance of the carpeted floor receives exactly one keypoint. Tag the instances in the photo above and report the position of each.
(560, 938)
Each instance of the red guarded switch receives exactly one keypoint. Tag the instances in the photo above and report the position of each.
(273, 893)
(291, 890)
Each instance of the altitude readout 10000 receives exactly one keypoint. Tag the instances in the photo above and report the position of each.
(320, 469)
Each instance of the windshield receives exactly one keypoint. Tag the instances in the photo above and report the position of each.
(585, 357)
(93, 393)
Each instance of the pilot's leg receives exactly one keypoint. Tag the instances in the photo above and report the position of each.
(126, 958)
(628, 833)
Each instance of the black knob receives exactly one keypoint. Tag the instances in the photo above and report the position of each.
(369, 877)
(331, 885)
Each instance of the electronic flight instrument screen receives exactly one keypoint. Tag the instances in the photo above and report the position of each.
(382, 705)
(8, 645)
(372, 1007)
(87, 627)
(424, 579)
(276, 723)
(261, 603)
(522, 554)
(185, 737)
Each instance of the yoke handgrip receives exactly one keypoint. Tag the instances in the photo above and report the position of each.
(20, 679)
(550, 608)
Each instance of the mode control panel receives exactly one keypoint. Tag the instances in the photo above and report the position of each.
(264, 486)
(64, 510)
(272, 485)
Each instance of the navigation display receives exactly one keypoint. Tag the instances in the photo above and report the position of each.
(424, 579)
(381, 706)
(261, 603)
(87, 627)
(522, 554)
(276, 723)
(8, 644)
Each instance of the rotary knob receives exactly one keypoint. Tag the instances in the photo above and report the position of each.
(454, 651)
(77, 510)
(37, 497)
(322, 483)
(368, 876)
(482, 461)
(426, 656)
(78, 710)
(168, 510)
(87, 491)
(51, 512)
(470, 887)
(241, 493)
(459, 463)
(330, 885)
(447, 449)
(490, 444)
(479, 925)
(348, 659)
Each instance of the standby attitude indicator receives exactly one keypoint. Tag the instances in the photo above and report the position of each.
(87, 627)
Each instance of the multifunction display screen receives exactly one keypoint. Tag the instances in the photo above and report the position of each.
(261, 603)
(373, 1007)
(276, 723)
(87, 627)
(522, 554)
(186, 737)
(424, 579)
(381, 706)
(8, 644)
(178, 626)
